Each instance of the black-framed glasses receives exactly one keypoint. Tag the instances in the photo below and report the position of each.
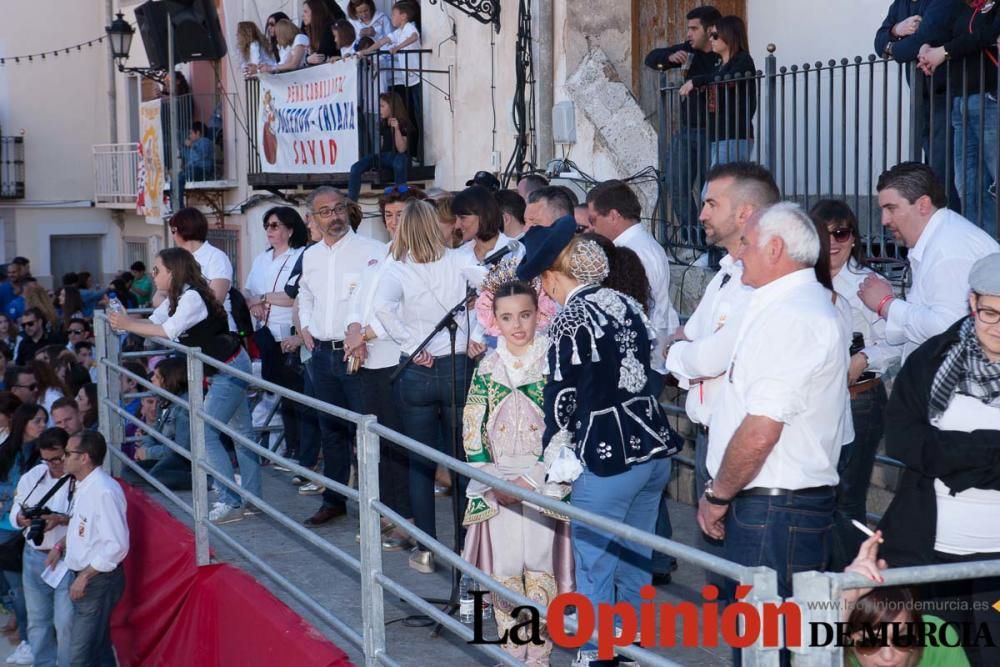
(397, 189)
(327, 212)
(841, 234)
(54, 460)
(988, 315)
(29, 323)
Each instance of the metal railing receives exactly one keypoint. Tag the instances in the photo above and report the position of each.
(203, 160)
(829, 130)
(116, 173)
(375, 582)
(11, 167)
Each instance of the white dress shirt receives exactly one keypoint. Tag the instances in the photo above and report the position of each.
(383, 351)
(270, 274)
(330, 275)
(31, 488)
(97, 535)
(412, 298)
(940, 264)
(880, 352)
(700, 362)
(191, 310)
(657, 265)
(789, 364)
(215, 265)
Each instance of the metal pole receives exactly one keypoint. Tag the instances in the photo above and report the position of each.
(372, 610)
(113, 388)
(199, 478)
(103, 414)
(771, 129)
(176, 189)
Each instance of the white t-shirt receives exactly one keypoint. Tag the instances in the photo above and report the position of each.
(285, 52)
(404, 61)
(967, 522)
(259, 56)
(215, 265)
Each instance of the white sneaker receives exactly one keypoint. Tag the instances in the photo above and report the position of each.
(311, 489)
(21, 655)
(222, 513)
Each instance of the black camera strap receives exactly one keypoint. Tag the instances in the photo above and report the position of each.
(51, 492)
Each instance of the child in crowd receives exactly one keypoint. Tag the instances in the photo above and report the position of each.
(368, 21)
(254, 47)
(395, 134)
(521, 546)
(344, 36)
(293, 47)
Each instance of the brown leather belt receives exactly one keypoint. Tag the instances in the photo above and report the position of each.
(863, 387)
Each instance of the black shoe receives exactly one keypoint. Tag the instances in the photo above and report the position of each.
(661, 578)
(325, 515)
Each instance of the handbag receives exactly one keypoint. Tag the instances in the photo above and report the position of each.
(271, 357)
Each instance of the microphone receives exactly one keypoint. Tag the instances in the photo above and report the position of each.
(512, 246)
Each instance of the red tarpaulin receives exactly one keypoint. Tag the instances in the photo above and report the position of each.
(175, 613)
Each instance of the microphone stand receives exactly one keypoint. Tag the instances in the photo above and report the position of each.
(451, 324)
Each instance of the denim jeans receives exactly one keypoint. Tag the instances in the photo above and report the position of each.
(400, 163)
(730, 150)
(15, 588)
(663, 563)
(857, 460)
(90, 641)
(227, 401)
(50, 612)
(688, 158)
(394, 461)
(335, 386)
(308, 424)
(934, 136)
(424, 397)
(610, 569)
(975, 163)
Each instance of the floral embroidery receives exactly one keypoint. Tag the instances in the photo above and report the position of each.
(603, 450)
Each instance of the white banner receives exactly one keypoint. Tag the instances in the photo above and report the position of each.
(151, 177)
(308, 120)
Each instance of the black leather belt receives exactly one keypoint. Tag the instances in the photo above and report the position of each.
(812, 491)
(329, 345)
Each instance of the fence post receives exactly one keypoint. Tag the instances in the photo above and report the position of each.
(103, 357)
(199, 478)
(764, 592)
(372, 612)
(113, 426)
(771, 127)
(919, 116)
(813, 593)
(663, 148)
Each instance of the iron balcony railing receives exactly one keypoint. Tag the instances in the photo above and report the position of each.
(11, 167)
(829, 130)
(116, 173)
(204, 158)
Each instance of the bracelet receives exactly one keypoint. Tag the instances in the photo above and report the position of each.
(881, 304)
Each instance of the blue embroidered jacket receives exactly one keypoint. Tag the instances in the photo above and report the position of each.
(598, 388)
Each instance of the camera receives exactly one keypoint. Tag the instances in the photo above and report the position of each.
(36, 531)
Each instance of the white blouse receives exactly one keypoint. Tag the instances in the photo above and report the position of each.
(191, 310)
(270, 274)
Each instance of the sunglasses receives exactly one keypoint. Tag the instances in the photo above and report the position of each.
(713, 35)
(75, 332)
(841, 234)
(400, 189)
(272, 225)
(29, 323)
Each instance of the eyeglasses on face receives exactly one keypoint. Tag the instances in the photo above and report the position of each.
(52, 460)
(988, 315)
(841, 234)
(28, 323)
(326, 212)
(75, 332)
(713, 35)
(272, 225)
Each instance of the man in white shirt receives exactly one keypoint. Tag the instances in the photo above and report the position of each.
(331, 272)
(943, 247)
(50, 611)
(97, 541)
(778, 426)
(702, 348)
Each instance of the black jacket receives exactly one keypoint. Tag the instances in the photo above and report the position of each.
(731, 104)
(960, 460)
(935, 26)
(693, 110)
(970, 48)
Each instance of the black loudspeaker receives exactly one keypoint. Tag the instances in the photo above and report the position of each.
(197, 33)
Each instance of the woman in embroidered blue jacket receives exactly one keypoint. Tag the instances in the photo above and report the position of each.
(599, 407)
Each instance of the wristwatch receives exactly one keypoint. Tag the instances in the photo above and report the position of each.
(714, 499)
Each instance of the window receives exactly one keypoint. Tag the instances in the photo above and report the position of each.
(228, 241)
(136, 250)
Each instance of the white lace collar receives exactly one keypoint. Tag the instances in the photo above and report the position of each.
(527, 367)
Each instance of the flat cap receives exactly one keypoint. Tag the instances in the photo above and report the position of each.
(984, 278)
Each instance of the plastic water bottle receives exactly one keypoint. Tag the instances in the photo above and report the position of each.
(115, 306)
(466, 603)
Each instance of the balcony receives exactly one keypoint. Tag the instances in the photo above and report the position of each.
(11, 167)
(116, 175)
(374, 76)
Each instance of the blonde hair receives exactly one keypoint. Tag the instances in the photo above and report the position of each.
(36, 296)
(418, 237)
(582, 259)
(285, 32)
(247, 33)
(443, 203)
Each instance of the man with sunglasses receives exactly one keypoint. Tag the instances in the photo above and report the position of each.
(50, 610)
(943, 423)
(97, 541)
(78, 331)
(21, 382)
(33, 336)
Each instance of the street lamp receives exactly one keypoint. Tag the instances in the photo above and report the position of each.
(120, 34)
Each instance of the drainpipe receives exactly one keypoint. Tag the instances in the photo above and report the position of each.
(109, 12)
(543, 32)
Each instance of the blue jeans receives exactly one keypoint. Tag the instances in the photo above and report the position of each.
(400, 163)
(730, 150)
(50, 612)
(610, 569)
(424, 396)
(688, 159)
(308, 424)
(933, 110)
(90, 641)
(333, 385)
(16, 589)
(975, 162)
(857, 460)
(227, 401)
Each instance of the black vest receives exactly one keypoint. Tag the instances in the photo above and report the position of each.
(212, 335)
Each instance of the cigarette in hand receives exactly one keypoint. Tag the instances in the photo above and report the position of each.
(865, 529)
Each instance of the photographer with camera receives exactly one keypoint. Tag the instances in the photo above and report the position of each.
(97, 541)
(41, 508)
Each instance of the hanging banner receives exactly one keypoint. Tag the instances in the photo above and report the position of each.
(308, 121)
(150, 178)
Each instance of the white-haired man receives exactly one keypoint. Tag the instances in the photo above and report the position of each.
(777, 429)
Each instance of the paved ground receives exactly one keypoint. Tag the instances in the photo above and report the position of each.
(337, 588)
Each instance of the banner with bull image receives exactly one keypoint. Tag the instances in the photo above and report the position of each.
(308, 120)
